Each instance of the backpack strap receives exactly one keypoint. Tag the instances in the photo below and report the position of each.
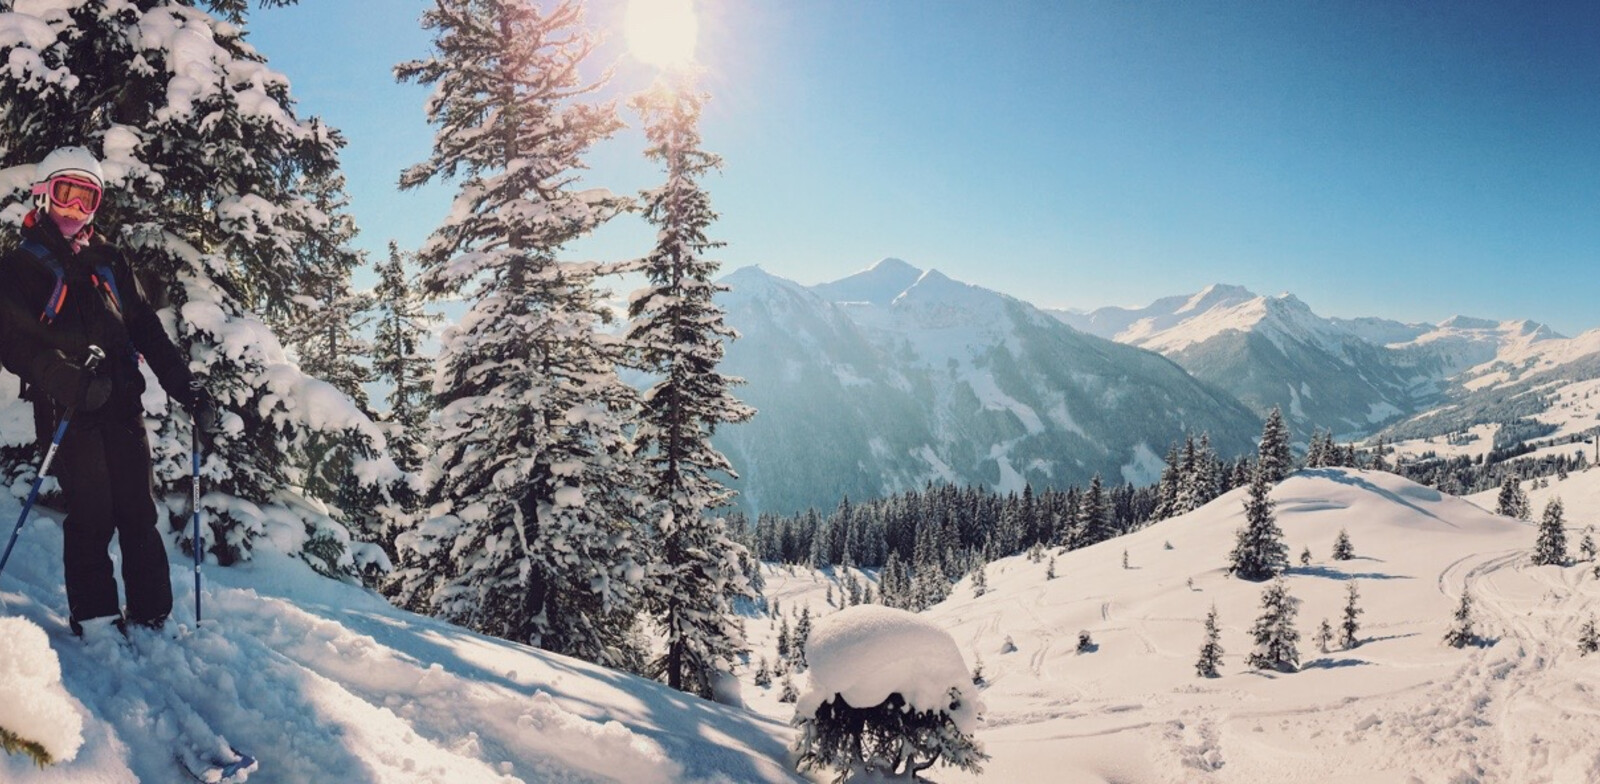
(103, 278)
(58, 295)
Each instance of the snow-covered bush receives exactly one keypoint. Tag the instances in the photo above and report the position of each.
(37, 717)
(890, 696)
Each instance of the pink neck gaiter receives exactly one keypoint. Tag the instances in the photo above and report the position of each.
(71, 228)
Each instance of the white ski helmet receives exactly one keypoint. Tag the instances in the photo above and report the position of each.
(66, 160)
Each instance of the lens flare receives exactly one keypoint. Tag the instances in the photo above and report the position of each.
(661, 32)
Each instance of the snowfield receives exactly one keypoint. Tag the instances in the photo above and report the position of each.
(325, 681)
(322, 681)
(1401, 707)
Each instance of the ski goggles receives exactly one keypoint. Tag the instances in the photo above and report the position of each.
(68, 191)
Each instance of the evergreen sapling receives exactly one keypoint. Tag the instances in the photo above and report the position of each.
(1461, 634)
(1211, 650)
(1350, 626)
(1275, 635)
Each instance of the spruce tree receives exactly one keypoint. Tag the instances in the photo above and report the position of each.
(397, 361)
(1511, 500)
(1586, 546)
(210, 193)
(1259, 552)
(1350, 627)
(1211, 650)
(323, 326)
(1551, 546)
(531, 490)
(1461, 634)
(676, 334)
(1342, 549)
(1324, 636)
(802, 633)
(1094, 520)
(1274, 455)
(1275, 636)
(1588, 637)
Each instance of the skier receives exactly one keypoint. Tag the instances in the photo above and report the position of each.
(68, 292)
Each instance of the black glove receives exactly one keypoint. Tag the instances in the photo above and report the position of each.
(202, 407)
(96, 391)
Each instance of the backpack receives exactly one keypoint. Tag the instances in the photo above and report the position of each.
(101, 278)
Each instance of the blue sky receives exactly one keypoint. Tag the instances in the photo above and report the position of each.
(1409, 160)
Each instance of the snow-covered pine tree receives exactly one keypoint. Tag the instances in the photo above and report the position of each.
(400, 329)
(1170, 487)
(1211, 650)
(1274, 456)
(1320, 454)
(1512, 501)
(1275, 636)
(1189, 491)
(1551, 546)
(1461, 634)
(891, 741)
(206, 163)
(676, 334)
(1342, 549)
(323, 328)
(785, 648)
(1588, 637)
(980, 581)
(1324, 637)
(1094, 514)
(1350, 627)
(323, 324)
(797, 644)
(1586, 546)
(1259, 552)
(531, 490)
(1379, 463)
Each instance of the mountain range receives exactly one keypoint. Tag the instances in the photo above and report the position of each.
(896, 376)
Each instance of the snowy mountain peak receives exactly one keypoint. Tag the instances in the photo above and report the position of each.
(1467, 322)
(1216, 295)
(877, 285)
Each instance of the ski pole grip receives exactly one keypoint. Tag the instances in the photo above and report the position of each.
(96, 356)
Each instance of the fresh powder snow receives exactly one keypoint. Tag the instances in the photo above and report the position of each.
(865, 653)
(1399, 707)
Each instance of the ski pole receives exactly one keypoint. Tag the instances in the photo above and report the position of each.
(194, 544)
(89, 365)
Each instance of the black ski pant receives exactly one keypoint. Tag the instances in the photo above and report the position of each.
(103, 466)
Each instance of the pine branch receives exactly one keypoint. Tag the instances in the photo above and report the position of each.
(13, 743)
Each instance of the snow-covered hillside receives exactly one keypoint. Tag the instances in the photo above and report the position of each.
(894, 377)
(1400, 707)
(321, 682)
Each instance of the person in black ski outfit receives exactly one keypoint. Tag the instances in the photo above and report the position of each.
(47, 325)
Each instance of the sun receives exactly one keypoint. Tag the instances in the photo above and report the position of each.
(661, 32)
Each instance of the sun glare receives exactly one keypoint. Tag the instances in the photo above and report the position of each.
(661, 32)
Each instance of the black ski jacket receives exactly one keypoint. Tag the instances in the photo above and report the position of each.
(49, 356)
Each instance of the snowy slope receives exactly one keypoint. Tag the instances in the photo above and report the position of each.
(326, 682)
(895, 377)
(1400, 707)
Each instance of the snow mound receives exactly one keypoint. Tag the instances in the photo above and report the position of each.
(867, 652)
(33, 703)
